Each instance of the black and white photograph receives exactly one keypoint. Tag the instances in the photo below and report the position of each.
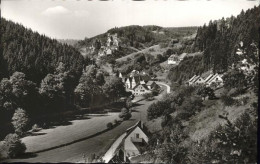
(129, 81)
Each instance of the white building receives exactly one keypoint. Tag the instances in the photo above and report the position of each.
(173, 59)
(217, 79)
(141, 89)
(132, 144)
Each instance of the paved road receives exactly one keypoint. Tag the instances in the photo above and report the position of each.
(168, 90)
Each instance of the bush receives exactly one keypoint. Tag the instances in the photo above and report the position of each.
(166, 120)
(155, 92)
(109, 125)
(125, 114)
(128, 103)
(241, 101)
(11, 146)
(235, 92)
(157, 109)
(20, 121)
(183, 115)
(35, 128)
(233, 142)
(147, 95)
(116, 122)
(227, 100)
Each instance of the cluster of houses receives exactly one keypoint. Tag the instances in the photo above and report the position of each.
(139, 83)
(132, 144)
(111, 45)
(176, 59)
(210, 80)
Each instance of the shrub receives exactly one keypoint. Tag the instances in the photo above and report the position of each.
(227, 100)
(157, 109)
(206, 91)
(183, 115)
(20, 121)
(235, 92)
(11, 146)
(109, 125)
(125, 114)
(35, 128)
(233, 142)
(128, 103)
(155, 92)
(166, 120)
(116, 122)
(147, 95)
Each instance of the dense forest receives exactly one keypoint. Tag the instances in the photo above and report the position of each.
(34, 54)
(219, 41)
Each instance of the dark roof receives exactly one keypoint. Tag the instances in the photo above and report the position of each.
(150, 82)
(144, 85)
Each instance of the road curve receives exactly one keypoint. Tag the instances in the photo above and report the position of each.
(168, 88)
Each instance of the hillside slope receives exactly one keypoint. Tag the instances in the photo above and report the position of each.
(34, 54)
(219, 42)
(135, 38)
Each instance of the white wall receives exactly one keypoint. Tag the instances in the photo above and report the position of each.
(129, 146)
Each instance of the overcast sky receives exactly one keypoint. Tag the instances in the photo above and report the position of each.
(77, 19)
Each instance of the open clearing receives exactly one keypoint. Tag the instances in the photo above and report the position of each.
(153, 50)
(78, 129)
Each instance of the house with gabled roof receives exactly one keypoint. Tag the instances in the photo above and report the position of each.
(151, 84)
(141, 89)
(133, 144)
(216, 78)
(206, 80)
(199, 80)
(192, 80)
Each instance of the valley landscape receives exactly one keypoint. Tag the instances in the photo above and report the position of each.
(131, 94)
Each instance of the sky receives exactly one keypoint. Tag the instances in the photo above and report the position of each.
(77, 19)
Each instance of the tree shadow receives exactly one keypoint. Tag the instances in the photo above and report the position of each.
(137, 104)
(133, 110)
(26, 155)
(34, 134)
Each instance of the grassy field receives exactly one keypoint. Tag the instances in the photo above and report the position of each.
(207, 120)
(86, 126)
(82, 128)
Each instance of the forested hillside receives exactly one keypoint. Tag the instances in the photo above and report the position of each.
(221, 128)
(219, 41)
(34, 54)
